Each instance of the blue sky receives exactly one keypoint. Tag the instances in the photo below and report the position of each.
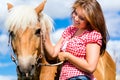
(59, 11)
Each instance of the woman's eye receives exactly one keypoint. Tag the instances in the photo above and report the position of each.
(74, 12)
(37, 32)
(81, 18)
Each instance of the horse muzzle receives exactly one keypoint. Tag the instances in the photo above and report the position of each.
(25, 75)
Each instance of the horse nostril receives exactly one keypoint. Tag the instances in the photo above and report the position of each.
(32, 70)
(32, 66)
(18, 70)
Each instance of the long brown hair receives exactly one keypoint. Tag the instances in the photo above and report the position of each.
(94, 15)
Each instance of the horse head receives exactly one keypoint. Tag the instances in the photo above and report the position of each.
(27, 28)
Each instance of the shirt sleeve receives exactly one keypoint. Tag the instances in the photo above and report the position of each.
(95, 37)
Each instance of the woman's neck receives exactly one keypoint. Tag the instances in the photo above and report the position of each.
(79, 32)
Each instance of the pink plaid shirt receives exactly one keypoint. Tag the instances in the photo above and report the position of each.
(77, 46)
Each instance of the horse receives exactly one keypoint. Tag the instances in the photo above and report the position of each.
(27, 27)
(27, 31)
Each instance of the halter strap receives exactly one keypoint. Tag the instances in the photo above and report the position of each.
(10, 45)
(42, 40)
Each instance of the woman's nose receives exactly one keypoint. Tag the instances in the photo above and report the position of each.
(76, 18)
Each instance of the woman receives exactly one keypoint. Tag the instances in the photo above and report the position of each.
(81, 43)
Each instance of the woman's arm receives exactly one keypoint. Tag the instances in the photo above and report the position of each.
(52, 50)
(89, 64)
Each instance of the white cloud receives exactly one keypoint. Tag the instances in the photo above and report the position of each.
(113, 47)
(5, 65)
(113, 22)
(55, 36)
(54, 8)
(4, 49)
(58, 8)
(8, 77)
(62, 9)
(110, 5)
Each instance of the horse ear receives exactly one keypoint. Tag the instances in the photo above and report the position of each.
(9, 5)
(40, 7)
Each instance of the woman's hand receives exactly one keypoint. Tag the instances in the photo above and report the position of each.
(63, 56)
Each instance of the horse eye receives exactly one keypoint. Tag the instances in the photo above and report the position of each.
(37, 32)
(12, 34)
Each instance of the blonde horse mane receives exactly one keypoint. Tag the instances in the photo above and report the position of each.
(26, 16)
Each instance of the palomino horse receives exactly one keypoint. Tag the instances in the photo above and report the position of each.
(27, 27)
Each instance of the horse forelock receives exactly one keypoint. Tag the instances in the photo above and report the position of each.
(25, 16)
(21, 17)
(46, 23)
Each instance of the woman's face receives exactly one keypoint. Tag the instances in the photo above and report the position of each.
(79, 19)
